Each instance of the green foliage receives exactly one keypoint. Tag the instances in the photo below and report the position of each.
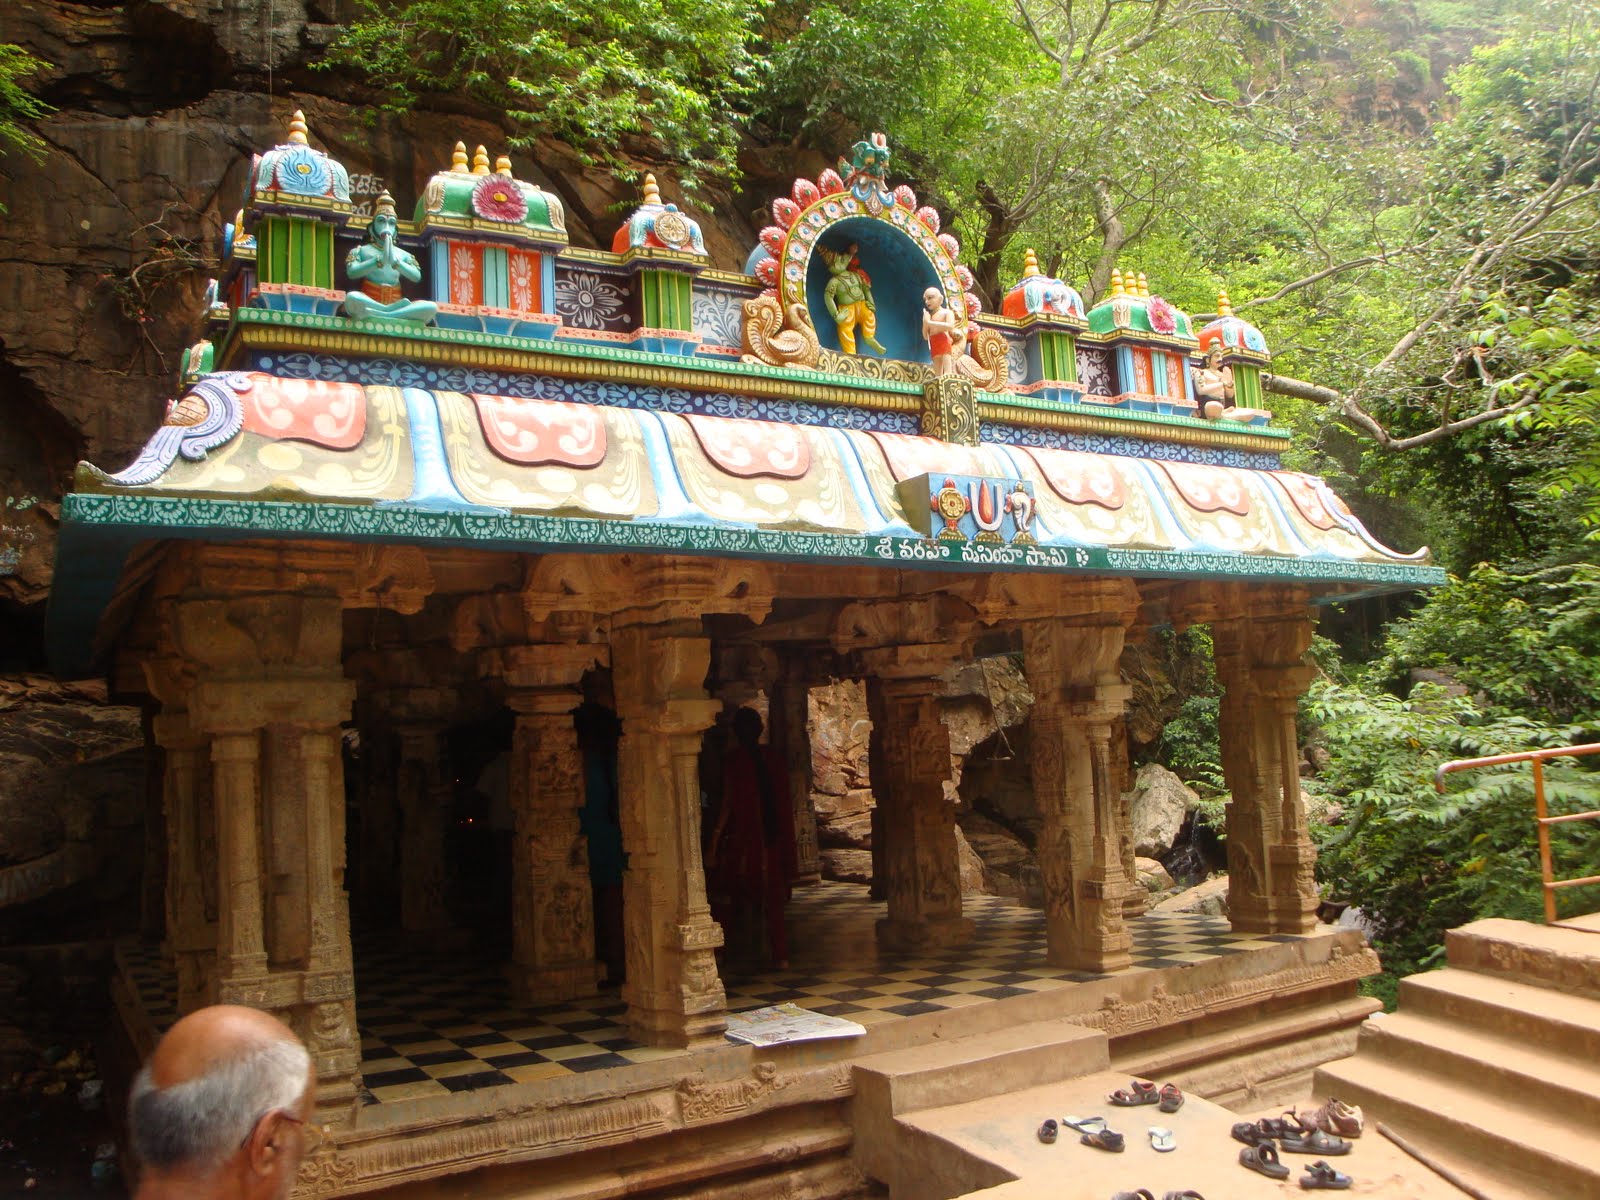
(1527, 643)
(678, 71)
(17, 104)
(1190, 748)
(1419, 862)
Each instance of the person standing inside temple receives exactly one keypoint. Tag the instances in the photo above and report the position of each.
(599, 732)
(752, 846)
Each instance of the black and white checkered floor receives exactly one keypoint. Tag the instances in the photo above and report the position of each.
(436, 1024)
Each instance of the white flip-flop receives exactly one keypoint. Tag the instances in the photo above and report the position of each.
(1162, 1138)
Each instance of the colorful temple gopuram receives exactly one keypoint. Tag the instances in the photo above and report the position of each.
(431, 474)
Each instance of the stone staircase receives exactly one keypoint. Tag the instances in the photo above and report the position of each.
(1491, 1066)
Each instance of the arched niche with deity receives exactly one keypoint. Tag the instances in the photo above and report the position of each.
(850, 240)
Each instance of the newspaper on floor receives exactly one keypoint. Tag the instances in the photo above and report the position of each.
(787, 1023)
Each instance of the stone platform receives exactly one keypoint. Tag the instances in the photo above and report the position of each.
(457, 1076)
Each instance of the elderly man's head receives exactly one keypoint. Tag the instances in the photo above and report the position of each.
(221, 1107)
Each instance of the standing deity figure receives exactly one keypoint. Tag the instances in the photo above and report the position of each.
(379, 266)
(939, 331)
(848, 299)
(1213, 383)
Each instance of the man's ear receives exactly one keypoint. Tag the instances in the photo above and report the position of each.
(266, 1143)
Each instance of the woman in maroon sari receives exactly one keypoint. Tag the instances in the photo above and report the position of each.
(752, 847)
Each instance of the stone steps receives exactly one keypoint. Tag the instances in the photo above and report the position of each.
(1491, 1066)
(1533, 1016)
(1548, 956)
(1536, 1079)
(1489, 1135)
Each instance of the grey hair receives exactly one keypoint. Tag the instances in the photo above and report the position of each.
(199, 1123)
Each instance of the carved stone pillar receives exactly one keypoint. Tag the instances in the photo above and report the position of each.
(1071, 665)
(241, 936)
(190, 901)
(1271, 882)
(920, 862)
(551, 902)
(377, 846)
(423, 795)
(1138, 900)
(791, 732)
(268, 674)
(673, 992)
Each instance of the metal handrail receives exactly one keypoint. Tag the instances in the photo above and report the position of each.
(1541, 812)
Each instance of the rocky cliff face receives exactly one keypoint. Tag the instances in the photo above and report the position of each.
(110, 238)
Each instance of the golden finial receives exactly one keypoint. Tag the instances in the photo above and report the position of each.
(652, 193)
(480, 161)
(1144, 286)
(297, 129)
(502, 166)
(1030, 264)
(1224, 305)
(458, 160)
(1116, 283)
(383, 206)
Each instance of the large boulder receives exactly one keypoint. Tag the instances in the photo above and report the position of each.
(1152, 875)
(974, 879)
(1209, 899)
(1160, 802)
(1009, 865)
(847, 866)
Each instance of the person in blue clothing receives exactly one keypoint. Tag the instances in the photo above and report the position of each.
(599, 732)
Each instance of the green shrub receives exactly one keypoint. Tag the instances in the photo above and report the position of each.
(1419, 862)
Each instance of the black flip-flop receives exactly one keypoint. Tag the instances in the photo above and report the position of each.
(1263, 1159)
(1320, 1175)
(1314, 1141)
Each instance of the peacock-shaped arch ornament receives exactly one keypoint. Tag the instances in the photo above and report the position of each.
(848, 259)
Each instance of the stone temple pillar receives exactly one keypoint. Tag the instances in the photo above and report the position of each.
(790, 718)
(920, 860)
(190, 901)
(1071, 666)
(673, 992)
(267, 672)
(423, 795)
(551, 903)
(1271, 860)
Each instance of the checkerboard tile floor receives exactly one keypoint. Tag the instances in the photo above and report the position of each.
(436, 1024)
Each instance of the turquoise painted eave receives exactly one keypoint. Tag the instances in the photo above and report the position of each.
(99, 531)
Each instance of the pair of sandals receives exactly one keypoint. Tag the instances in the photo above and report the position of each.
(1292, 1134)
(1263, 1159)
(1093, 1131)
(1140, 1091)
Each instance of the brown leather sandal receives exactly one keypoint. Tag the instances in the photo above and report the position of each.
(1263, 1159)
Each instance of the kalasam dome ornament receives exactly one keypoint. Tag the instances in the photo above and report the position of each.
(295, 174)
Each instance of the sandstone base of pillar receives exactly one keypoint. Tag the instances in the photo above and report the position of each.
(1102, 958)
(672, 1027)
(894, 934)
(546, 985)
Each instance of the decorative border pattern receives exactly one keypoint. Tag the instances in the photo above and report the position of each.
(394, 372)
(253, 331)
(1126, 447)
(184, 516)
